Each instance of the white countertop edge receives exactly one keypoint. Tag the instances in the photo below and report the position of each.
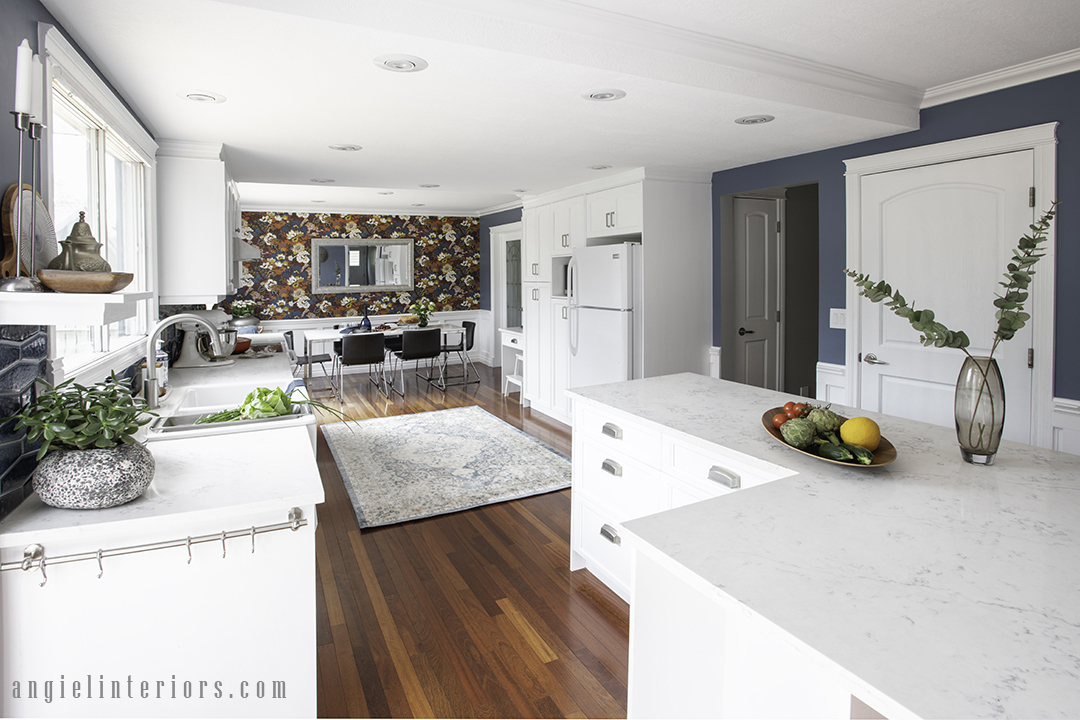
(848, 680)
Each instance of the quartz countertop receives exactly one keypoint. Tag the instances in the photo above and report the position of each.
(210, 477)
(951, 590)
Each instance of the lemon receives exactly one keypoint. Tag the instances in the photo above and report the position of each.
(861, 431)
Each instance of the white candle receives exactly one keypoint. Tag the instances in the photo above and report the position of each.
(37, 108)
(23, 78)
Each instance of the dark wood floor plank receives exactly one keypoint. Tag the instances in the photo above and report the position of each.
(473, 614)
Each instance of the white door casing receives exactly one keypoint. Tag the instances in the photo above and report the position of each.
(756, 248)
(945, 181)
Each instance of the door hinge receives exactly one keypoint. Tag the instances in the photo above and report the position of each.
(777, 226)
(777, 316)
(1031, 357)
(860, 357)
(1031, 197)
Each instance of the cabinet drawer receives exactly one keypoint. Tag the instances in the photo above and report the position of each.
(612, 430)
(703, 464)
(622, 486)
(684, 491)
(599, 543)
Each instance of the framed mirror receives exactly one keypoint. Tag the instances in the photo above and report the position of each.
(361, 265)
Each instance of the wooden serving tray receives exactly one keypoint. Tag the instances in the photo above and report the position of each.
(885, 453)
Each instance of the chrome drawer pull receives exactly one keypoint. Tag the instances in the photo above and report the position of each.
(612, 430)
(513, 341)
(610, 534)
(725, 477)
(612, 467)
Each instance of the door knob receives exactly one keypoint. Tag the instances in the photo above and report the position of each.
(744, 331)
(871, 359)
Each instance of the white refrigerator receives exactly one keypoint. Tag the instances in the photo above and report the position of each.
(603, 294)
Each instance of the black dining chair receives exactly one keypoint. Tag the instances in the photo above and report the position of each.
(364, 349)
(418, 345)
(462, 348)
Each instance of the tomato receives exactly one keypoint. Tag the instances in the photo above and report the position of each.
(799, 410)
(779, 419)
(788, 406)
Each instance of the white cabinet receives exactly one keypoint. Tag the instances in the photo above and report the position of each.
(568, 232)
(198, 217)
(560, 358)
(538, 236)
(617, 211)
(627, 467)
(536, 315)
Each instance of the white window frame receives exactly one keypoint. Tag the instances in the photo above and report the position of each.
(62, 61)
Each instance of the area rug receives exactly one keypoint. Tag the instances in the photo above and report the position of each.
(408, 467)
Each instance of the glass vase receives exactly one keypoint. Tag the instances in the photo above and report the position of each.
(423, 322)
(979, 408)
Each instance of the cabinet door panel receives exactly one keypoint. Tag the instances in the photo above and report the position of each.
(536, 309)
(615, 212)
(560, 356)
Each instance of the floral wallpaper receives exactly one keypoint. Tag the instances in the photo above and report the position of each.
(446, 263)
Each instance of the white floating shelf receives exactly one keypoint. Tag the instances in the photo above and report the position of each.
(37, 308)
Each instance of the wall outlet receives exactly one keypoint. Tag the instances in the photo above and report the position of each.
(838, 318)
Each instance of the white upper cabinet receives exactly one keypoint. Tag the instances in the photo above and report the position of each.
(617, 211)
(538, 237)
(568, 225)
(198, 218)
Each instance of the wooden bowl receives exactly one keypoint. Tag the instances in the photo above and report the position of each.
(885, 453)
(75, 281)
(242, 344)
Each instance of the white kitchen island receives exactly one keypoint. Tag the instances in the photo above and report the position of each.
(225, 628)
(926, 588)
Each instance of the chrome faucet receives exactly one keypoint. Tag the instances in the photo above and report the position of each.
(150, 381)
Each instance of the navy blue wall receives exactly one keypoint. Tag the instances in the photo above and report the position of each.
(486, 223)
(1052, 100)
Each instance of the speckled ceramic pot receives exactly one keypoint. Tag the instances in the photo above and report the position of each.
(94, 479)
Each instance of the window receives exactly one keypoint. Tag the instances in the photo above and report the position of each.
(99, 161)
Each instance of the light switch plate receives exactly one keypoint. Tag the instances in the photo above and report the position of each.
(838, 318)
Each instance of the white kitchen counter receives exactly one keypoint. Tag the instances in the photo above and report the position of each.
(238, 614)
(929, 587)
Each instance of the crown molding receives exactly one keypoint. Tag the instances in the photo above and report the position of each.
(341, 210)
(511, 205)
(1021, 74)
(190, 149)
(612, 181)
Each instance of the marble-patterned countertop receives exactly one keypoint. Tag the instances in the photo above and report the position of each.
(952, 590)
(207, 478)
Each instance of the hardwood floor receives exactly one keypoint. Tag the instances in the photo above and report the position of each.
(468, 615)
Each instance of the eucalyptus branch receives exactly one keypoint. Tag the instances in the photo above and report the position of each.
(1010, 313)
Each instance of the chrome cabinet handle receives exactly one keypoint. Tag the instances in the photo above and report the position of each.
(610, 534)
(536, 268)
(513, 341)
(612, 430)
(725, 477)
(536, 293)
(612, 467)
(871, 359)
(564, 315)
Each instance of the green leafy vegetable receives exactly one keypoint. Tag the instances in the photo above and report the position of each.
(266, 403)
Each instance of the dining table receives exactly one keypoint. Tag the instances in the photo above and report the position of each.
(322, 336)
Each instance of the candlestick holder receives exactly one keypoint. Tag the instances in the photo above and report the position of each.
(19, 282)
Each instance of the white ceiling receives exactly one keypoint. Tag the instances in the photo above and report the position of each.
(499, 109)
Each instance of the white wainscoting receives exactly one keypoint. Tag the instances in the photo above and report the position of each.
(832, 383)
(714, 362)
(1065, 426)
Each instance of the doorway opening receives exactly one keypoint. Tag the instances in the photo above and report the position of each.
(506, 300)
(769, 288)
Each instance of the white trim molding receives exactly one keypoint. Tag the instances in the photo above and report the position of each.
(714, 362)
(1065, 426)
(1042, 140)
(1021, 74)
(831, 383)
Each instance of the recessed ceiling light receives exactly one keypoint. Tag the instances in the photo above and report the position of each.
(318, 201)
(201, 96)
(322, 181)
(520, 190)
(418, 204)
(599, 167)
(400, 63)
(385, 192)
(429, 185)
(346, 148)
(754, 119)
(605, 95)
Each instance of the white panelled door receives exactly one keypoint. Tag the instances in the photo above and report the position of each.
(757, 247)
(941, 235)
